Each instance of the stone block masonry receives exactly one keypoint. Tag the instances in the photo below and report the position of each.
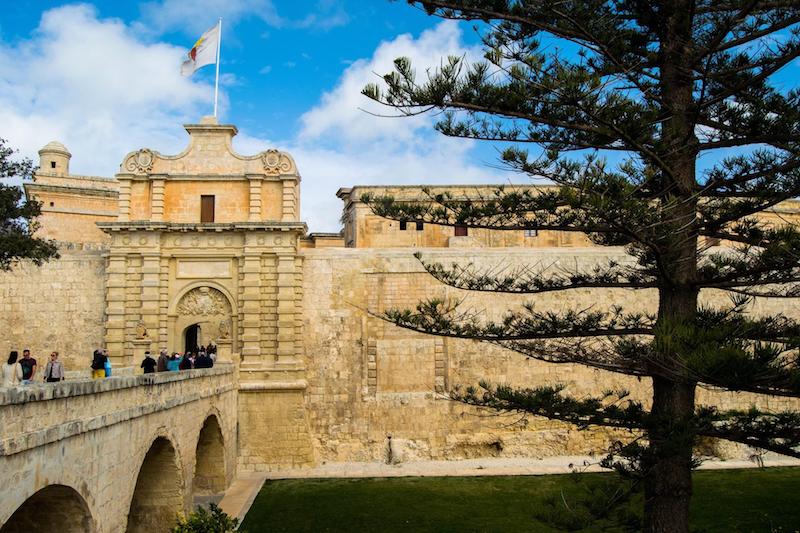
(58, 306)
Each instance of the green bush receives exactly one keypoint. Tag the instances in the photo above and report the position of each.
(211, 520)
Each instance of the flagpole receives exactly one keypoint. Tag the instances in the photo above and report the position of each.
(216, 79)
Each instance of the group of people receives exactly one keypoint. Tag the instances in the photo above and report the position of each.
(204, 357)
(23, 371)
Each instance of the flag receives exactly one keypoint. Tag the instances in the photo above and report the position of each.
(204, 52)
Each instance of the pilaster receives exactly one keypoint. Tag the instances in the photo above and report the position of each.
(115, 308)
(157, 200)
(251, 304)
(289, 201)
(255, 198)
(124, 200)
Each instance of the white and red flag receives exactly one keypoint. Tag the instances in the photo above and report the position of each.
(204, 52)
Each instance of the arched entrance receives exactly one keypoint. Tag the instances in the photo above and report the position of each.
(209, 470)
(191, 338)
(158, 496)
(201, 315)
(54, 508)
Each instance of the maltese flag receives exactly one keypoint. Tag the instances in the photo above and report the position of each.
(204, 52)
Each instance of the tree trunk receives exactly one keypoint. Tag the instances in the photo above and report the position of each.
(668, 461)
(668, 485)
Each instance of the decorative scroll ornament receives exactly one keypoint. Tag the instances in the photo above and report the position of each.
(276, 163)
(140, 162)
(203, 301)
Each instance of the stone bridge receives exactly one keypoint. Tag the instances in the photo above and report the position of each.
(117, 454)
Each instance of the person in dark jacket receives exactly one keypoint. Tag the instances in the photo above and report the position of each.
(186, 363)
(98, 365)
(148, 363)
(203, 361)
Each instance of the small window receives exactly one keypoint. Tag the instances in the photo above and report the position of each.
(461, 230)
(52, 204)
(531, 232)
(206, 208)
(420, 226)
(403, 225)
(52, 164)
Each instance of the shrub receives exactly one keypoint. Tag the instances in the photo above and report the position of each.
(211, 520)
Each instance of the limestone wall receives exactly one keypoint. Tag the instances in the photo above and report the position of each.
(58, 306)
(370, 380)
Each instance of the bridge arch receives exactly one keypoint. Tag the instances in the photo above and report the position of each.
(158, 495)
(210, 471)
(53, 508)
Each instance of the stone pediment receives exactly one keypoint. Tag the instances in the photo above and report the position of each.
(210, 154)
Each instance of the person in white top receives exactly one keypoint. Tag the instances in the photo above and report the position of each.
(12, 371)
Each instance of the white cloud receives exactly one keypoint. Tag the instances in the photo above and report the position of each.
(92, 85)
(341, 112)
(340, 145)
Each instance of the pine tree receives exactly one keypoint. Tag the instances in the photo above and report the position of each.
(18, 216)
(657, 85)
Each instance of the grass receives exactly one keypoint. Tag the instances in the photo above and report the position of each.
(730, 501)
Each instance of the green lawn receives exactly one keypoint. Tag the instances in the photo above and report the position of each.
(730, 501)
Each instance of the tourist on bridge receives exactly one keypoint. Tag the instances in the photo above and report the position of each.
(203, 361)
(186, 362)
(54, 371)
(12, 371)
(98, 365)
(161, 365)
(174, 362)
(148, 363)
(28, 365)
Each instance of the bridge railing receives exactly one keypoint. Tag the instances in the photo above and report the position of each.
(38, 414)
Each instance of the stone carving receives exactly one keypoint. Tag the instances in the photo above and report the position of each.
(224, 329)
(140, 162)
(276, 163)
(141, 330)
(203, 301)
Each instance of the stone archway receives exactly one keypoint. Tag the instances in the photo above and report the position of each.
(54, 508)
(209, 310)
(209, 471)
(158, 496)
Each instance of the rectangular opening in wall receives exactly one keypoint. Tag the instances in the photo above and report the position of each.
(419, 226)
(531, 232)
(207, 208)
(403, 225)
(52, 164)
(461, 230)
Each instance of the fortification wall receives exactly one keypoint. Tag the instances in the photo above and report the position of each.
(58, 306)
(370, 380)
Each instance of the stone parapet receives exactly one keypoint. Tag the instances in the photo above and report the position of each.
(40, 414)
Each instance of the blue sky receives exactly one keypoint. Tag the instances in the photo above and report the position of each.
(103, 77)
